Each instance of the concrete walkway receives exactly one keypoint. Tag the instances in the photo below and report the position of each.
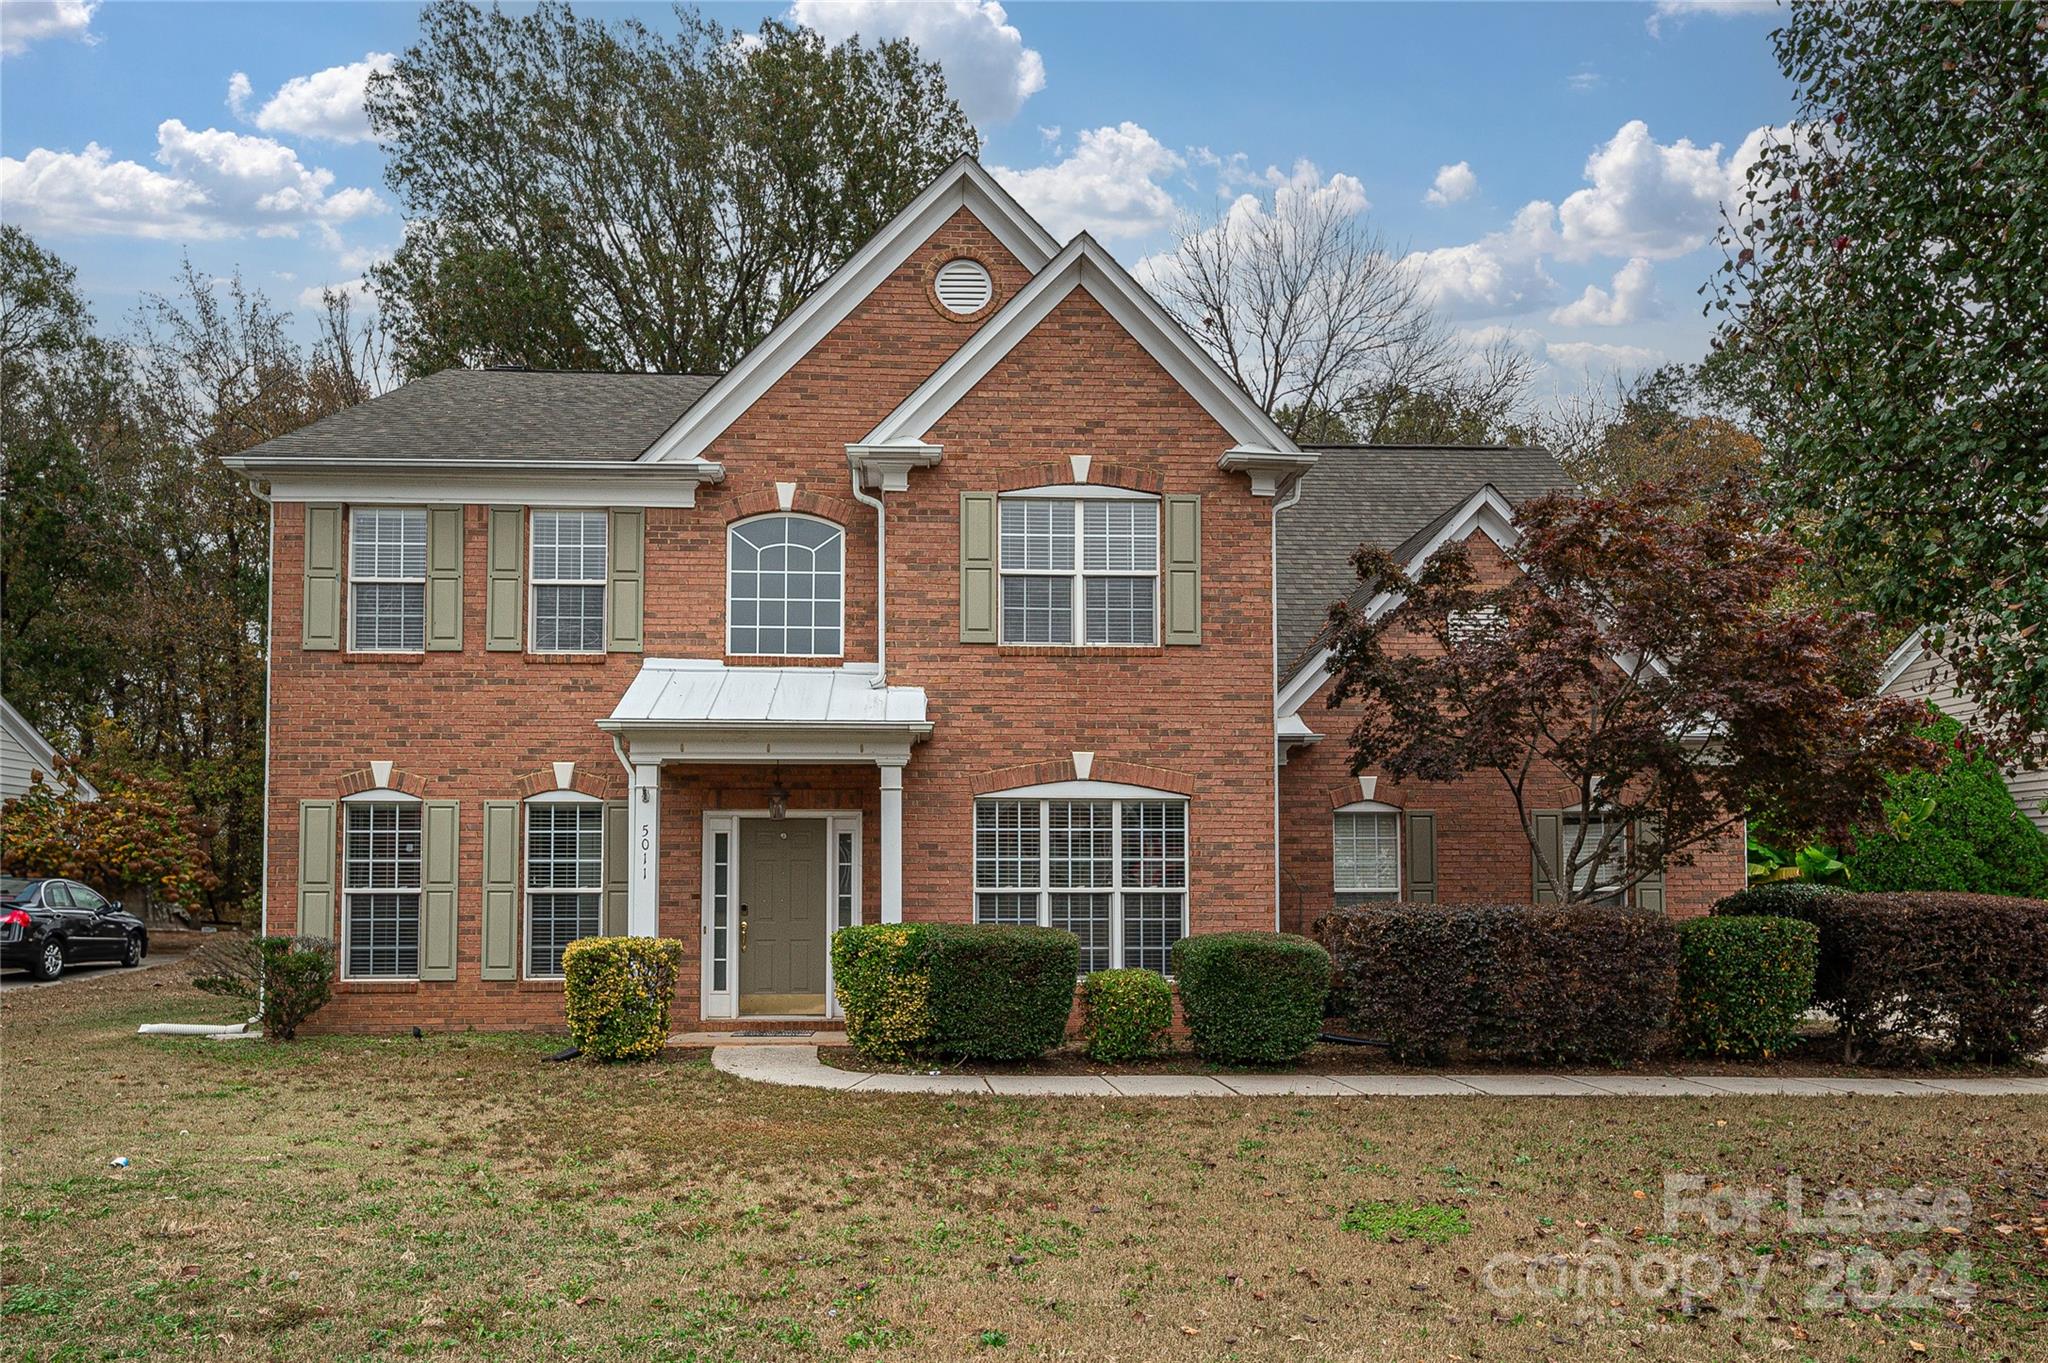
(799, 1066)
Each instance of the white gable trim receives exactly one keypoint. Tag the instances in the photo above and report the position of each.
(1903, 657)
(964, 184)
(1084, 264)
(42, 756)
(1484, 512)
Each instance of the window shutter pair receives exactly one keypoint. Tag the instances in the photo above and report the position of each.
(1421, 826)
(440, 856)
(505, 599)
(1549, 824)
(1180, 569)
(502, 895)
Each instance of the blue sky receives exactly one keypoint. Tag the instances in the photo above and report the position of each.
(1555, 168)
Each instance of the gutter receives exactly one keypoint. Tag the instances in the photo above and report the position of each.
(270, 466)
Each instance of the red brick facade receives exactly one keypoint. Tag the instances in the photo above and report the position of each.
(475, 726)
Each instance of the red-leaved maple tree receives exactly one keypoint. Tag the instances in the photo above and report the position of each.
(1643, 656)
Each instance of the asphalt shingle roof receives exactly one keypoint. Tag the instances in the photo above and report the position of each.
(1385, 495)
(502, 414)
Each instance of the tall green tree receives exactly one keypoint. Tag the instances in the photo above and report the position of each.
(1886, 321)
(599, 195)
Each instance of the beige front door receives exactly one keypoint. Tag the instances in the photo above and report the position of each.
(782, 917)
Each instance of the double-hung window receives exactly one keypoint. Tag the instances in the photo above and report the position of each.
(387, 574)
(1112, 872)
(569, 572)
(1080, 570)
(564, 880)
(380, 881)
(1600, 875)
(1367, 856)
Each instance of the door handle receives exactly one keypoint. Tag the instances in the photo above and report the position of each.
(743, 927)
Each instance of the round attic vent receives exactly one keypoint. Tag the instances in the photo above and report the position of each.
(963, 286)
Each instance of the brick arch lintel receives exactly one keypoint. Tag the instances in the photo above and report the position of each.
(363, 778)
(1060, 473)
(1347, 794)
(765, 501)
(1104, 769)
(607, 786)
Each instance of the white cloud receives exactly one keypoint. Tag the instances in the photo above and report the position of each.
(23, 22)
(1584, 81)
(1453, 185)
(214, 184)
(988, 68)
(1109, 186)
(1649, 199)
(1631, 300)
(313, 297)
(1593, 355)
(327, 104)
(1681, 10)
(1502, 272)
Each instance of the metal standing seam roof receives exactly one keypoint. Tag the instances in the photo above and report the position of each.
(700, 693)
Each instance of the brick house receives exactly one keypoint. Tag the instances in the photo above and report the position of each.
(965, 594)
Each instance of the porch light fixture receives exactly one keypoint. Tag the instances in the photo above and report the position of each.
(778, 797)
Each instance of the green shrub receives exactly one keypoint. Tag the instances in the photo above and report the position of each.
(1000, 993)
(1123, 1014)
(1807, 902)
(882, 978)
(281, 980)
(1252, 998)
(1968, 972)
(618, 991)
(1744, 982)
(1973, 839)
(1543, 984)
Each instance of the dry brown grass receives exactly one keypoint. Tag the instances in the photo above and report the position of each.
(459, 1198)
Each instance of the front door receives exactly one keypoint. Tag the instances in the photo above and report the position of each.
(782, 917)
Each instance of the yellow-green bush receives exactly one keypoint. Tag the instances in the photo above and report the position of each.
(881, 974)
(618, 994)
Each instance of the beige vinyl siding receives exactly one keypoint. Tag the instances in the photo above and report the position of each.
(1930, 679)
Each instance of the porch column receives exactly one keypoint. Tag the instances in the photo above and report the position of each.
(643, 888)
(892, 839)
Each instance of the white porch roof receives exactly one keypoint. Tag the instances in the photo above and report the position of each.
(683, 709)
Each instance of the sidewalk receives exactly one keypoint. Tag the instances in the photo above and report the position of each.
(798, 1066)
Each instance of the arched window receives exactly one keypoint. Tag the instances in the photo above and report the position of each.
(785, 587)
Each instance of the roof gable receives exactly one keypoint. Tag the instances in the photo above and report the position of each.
(1084, 264)
(963, 185)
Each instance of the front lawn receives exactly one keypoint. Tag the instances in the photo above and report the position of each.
(458, 1197)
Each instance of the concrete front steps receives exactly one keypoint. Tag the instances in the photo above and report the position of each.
(796, 1064)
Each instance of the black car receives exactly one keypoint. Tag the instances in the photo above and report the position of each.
(46, 925)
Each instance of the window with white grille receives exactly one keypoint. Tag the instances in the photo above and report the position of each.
(380, 881)
(1079, 571)
(1601, 874)
(387, 573)
(1112, 872)
(570, 569)
(785, 587)
(1367, 860)
(963, 286)
(564, 880)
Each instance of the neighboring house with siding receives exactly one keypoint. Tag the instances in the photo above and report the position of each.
(26, 756)
(956, 599)
(1914, 669)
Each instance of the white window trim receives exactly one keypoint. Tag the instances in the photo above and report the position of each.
(1569, 821)
(534, 582)
(1400, 851)
(380, 796)
(725, 1003)
(526, 891)
(837, 529)
(1116, 890)
(349, 625)
(1079, 574)
(419, 892)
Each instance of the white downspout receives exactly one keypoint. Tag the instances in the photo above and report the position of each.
(881, 572)
(1280, 504)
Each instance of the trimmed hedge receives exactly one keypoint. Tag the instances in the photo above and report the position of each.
(1000, 993)
(1973, 840)
(881, 976)
(1969, 972)
(1806, 901)
(1543, 984)
(1123, 1014)
(618, 991)
(1744, 982)
(1252, 998)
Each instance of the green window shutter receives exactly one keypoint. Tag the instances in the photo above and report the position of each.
(1183, 568)
(1650, 889)
(316, 868)
(322, 605)
(616, 860)
(501, 890)
(505, 599)
(977, 567)
(440, 855)
(1421, 857)
(628, 581)
(444, 579)
(1550, 836)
